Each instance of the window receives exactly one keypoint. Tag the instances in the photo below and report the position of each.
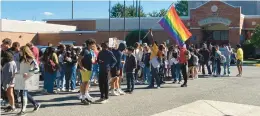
(220, 35)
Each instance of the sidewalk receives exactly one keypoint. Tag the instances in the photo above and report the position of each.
(212, 108)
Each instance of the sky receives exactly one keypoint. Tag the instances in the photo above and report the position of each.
(39, 10)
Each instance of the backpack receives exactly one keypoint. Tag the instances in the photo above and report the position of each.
(51, 66)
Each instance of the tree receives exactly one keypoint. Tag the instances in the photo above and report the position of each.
(117, 11)
(133, 37)
(182, 8)
(161, 13)
(255, 39)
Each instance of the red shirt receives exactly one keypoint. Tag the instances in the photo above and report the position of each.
(182, 58)
(35, 51)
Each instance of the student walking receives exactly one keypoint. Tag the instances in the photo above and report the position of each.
(27, 59)
(8, 80)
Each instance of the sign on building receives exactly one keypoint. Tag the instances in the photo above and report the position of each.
(214, 20)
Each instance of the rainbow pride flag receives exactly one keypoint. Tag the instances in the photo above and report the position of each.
(172, 24)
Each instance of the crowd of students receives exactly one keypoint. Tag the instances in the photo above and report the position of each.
(66, 67)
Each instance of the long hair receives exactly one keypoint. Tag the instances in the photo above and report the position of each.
(48, 53)
(26, 54)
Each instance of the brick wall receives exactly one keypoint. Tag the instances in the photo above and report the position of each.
(101, 36)
(248, 22)
(86, 25)
(224, 11)
(22, 38)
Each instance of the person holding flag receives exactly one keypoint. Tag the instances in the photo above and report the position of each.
(155, 65)
(172, 24)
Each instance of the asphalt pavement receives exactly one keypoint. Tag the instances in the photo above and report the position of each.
(146, 102)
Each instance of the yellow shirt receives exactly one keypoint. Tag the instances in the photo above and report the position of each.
(154, 51)
(55, 58)
(240, 54)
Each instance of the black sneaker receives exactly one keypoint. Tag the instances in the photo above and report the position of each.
(37, 107)
(184, 85)
(85, 102)
(174, 82)
(88, 100)
(127, 91)
(9, 109)
(21, 113)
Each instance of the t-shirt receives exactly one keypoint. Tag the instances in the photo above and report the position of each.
(118, 55)
(8, 73)
(87, 59)
(240, 54)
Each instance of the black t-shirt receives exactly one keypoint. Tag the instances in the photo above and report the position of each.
(118, 55)
(87, 59)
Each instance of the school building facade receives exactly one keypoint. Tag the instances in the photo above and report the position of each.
(214, 21)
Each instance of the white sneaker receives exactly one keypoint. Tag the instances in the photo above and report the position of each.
(120, 92)
(80, 96)
(114, 93)
(58, 90)
(88, 96)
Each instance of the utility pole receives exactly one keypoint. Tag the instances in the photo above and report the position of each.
(136, 8)
(124, 19)
(109, 17)
(72, 9)
(139, 15)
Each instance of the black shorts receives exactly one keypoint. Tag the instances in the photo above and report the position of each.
(113, 72)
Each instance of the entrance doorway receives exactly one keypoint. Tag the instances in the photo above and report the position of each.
(216, 33)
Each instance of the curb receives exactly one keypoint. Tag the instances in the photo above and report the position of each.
(257, 65)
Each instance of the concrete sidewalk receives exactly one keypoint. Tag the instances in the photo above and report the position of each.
(212, 108)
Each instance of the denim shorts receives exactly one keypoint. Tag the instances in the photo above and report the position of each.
(239, 63)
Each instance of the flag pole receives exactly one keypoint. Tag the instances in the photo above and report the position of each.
(124, 19)
(150, 30)
(167, 10)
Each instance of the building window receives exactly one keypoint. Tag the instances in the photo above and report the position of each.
(220, 35)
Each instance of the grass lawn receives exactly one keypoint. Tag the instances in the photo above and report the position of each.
(251, 61)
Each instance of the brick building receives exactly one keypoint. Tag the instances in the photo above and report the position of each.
(215, 21)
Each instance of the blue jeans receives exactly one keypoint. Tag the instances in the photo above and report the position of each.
(176, 72)
(130, 81)
(226, 67)
(70, 76)
(49, 79)
(26, 96)
(61, 77)
(147, 74)
(155, 75)
(95, 71)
